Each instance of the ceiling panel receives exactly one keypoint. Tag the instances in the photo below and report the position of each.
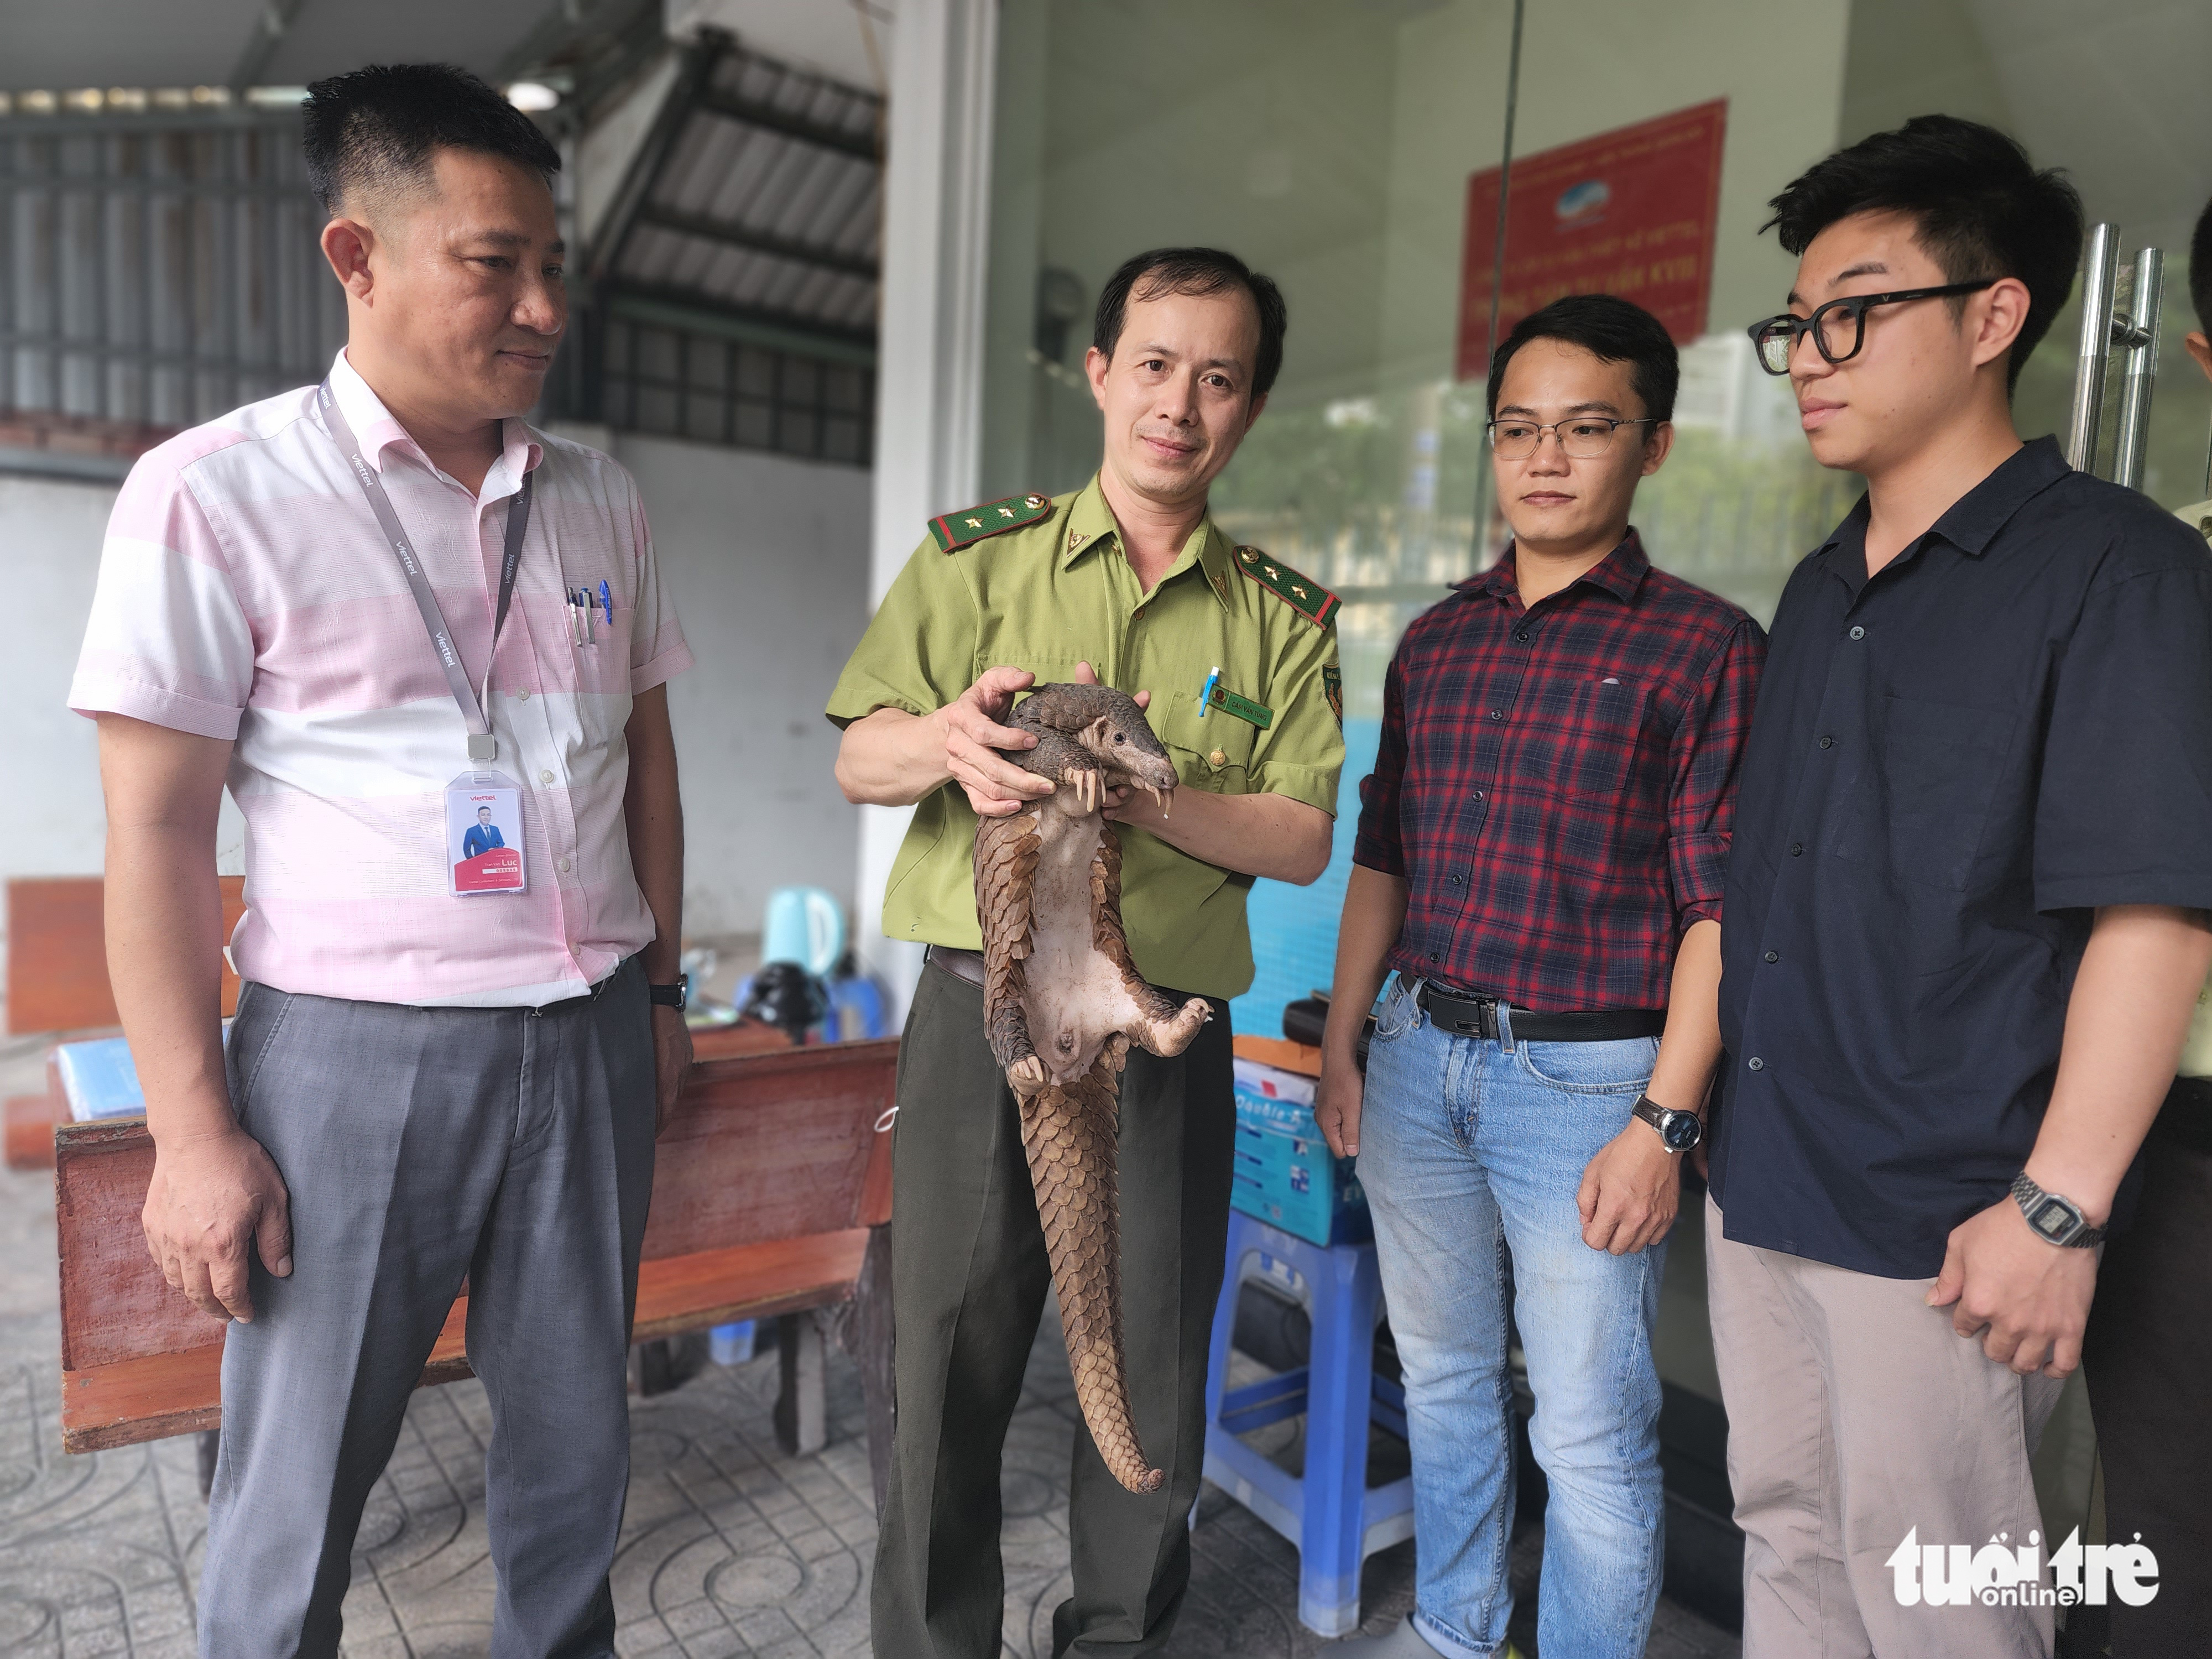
(182, 43)
(122, 43)
(331, 36)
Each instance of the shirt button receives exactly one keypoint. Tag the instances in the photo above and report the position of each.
(564, 866)
(1858, 633)
(1219, 757)
(1432, 956)
(1455, 881)
(1796, 849)
(1477, 794)
(1137, 615)
(1827, 742)
(1497, 713)
(1774, 955)
(522, 697)
(545, 777)
(1522, 635)
(1756, 1064)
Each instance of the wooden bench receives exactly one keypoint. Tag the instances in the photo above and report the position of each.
(31, 1119)
(770, 1195)
(58, 981)
(57, 954)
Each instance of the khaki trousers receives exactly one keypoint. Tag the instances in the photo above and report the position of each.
(1856, 1415)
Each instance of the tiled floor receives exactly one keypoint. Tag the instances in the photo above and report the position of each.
(729, 1547)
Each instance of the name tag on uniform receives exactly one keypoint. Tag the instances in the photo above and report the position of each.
(483, 834)
(1218, 695)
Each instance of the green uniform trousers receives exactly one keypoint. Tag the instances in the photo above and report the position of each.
(969, 1278)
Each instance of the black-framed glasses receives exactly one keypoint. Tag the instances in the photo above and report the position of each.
(1838, 328)
(1584, 437)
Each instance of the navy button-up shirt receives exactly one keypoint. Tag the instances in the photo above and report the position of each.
(1952, 765)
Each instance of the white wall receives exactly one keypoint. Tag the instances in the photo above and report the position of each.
(51, 820)
(767, 558)
(769, 562)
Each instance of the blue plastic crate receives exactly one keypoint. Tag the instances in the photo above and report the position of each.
(1285, 1173)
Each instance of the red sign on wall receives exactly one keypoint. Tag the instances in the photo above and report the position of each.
(1630, 212)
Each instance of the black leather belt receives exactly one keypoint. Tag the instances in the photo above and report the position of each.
(961, 964)
(1478, 1017)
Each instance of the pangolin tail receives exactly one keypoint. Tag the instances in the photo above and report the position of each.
(1069, 1135)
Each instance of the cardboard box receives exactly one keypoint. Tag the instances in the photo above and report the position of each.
(1285, 1172)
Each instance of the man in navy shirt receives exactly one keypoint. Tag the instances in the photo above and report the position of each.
(2148, 1352)
(1540, 854)
(1965, 914)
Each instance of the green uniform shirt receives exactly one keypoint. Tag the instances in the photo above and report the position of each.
(1056, 592)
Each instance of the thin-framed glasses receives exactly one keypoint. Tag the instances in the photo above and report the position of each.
(1583, 437)
(1838, 328)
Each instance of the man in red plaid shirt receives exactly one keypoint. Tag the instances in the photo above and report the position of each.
(1540, 856)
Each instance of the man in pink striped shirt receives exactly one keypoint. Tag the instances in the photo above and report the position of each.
(366, 608)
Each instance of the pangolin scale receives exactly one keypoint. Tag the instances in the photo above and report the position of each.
(1062, 1002)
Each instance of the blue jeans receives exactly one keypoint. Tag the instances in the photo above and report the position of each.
(1467, 1148)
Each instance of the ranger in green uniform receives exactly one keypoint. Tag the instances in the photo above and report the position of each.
(1128, 581)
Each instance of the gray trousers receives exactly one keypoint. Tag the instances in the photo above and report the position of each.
(420, 1145)
(1856, 1415)
(968, 1280)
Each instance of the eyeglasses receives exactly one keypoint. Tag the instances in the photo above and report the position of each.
(1584, 438)
(1838, 328)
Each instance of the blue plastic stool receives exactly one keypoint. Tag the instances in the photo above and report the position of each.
(1330, 1514)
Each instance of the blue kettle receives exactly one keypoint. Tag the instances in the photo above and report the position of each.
(803, 925)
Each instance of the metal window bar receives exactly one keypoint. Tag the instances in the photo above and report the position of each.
(668, 383)
(155, 273)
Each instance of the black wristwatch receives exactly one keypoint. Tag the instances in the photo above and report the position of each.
(672, 996)
(2056, 1220)
(1680, 1130)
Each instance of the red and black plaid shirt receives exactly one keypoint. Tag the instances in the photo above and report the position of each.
(1558, 784)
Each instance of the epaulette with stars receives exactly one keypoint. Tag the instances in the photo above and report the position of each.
(955, 530)
(1302, 593)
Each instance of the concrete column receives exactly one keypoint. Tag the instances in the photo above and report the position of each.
(929, 375)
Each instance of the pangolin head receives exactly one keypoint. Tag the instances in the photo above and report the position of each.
(1108, 724)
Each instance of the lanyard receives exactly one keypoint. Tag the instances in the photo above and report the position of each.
(482, 745)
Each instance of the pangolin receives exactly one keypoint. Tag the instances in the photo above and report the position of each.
(1062, 1002)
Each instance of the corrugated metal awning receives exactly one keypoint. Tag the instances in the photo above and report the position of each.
(757, 197)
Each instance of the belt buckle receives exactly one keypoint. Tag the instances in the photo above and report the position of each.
(1485, 1023)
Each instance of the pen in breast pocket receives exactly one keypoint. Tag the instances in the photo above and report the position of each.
(607, 601)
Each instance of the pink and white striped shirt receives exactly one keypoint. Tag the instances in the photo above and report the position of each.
(246, 592)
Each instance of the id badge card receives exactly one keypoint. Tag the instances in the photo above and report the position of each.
(483, 834)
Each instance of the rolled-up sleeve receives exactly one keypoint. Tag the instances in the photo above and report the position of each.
(2123, 805)
(1381, 843)
(167, 640)
(1704, 757)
